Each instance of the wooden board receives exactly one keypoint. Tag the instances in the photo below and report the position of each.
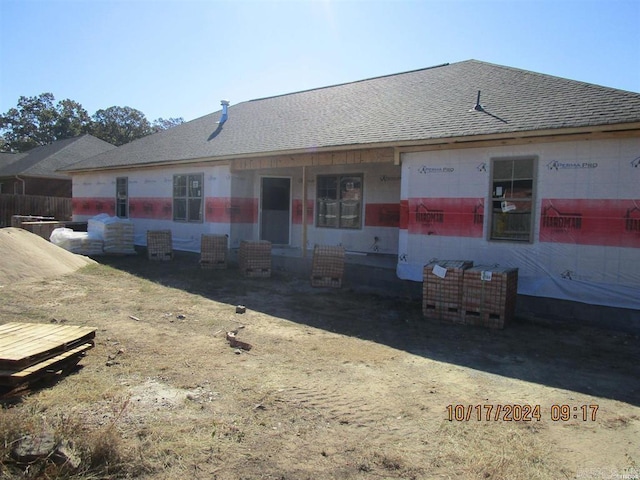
(44, 368)
(25, 344)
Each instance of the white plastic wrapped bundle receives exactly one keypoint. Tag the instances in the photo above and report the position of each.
(116, 233)
(83, 243)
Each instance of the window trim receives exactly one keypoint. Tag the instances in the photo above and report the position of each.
(339, 177)
(187, 197)
(532, 199)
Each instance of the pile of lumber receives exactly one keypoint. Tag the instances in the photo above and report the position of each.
(30, 352)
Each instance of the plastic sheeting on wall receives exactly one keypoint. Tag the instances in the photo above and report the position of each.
(585, 220)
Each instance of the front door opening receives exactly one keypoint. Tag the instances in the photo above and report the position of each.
(276, 210)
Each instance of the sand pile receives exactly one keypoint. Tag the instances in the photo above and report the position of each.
(24, 256)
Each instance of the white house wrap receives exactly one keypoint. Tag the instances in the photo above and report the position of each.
(468, 161)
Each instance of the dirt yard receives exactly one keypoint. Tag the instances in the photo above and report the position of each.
(338, 385)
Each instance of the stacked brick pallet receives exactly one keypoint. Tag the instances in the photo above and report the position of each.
(489, 296)
(213, 251)
(442, 289)
(327, 267)
(458, 292)
(116, 233)
(254, 258)
(159, 245)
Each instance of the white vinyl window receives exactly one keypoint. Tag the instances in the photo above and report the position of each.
(512, 199)
(188, 197)
(122, 197)
(339, 199)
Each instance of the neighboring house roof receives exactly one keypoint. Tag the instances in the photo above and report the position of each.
(44, 161)
(7, 158)
(394, 110)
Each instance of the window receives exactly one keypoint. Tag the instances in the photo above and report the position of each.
(512, 201)
(188, 197)
(122, 197)
(339, 199)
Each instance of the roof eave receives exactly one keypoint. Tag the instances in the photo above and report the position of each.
(618, 130)
(529, 136)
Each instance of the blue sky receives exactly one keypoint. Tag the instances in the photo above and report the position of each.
(180, 58)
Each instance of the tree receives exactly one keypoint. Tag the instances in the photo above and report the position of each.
(162, 124)
(30, 124)
(37, 121)
(73, 120)
(120, 125)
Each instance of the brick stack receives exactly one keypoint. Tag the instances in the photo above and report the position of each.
(117, 233)
(254, 258)
(489, 296)
(213, 251)
(442, 295)
(327, 268)
(159, 245)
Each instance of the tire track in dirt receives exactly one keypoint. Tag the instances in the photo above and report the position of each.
(335, 404)
(381, 413)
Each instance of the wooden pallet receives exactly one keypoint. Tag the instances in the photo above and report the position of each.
(257, 272)
(63, 362)
(319, 281)
(30, 351)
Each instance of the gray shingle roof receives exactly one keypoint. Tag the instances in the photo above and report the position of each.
(45, 161)
(420, 105)
(7, 158)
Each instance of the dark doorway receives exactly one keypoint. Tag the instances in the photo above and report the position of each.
(275, 201)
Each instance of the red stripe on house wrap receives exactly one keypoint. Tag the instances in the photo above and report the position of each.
(231, 210)
(93, 205)
(610, 223)
(382, 215)
(454, 217)
(296, 214)
(376, 214)
(404, 214)
(151, 207)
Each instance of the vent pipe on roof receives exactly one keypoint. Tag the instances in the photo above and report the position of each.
(225, 115)
(478, 107)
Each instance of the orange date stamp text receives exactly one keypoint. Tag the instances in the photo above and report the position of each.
(515, 412)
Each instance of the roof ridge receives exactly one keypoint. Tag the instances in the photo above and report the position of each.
(348, 83)
(548, 75)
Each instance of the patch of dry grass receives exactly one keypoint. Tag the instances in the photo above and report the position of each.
(494, 450)
(307, 402)
(101, 452)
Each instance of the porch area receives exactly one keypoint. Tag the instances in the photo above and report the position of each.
(363, 272)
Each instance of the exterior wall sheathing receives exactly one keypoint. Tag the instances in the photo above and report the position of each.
(232, 205)
(585, 243)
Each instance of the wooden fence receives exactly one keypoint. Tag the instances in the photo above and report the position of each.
(57, 207)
